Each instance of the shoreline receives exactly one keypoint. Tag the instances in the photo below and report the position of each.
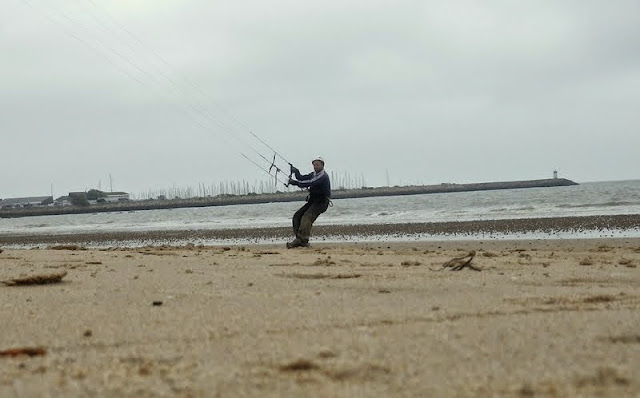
(456, 229)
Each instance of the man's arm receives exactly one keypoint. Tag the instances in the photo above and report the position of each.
(303, 181)
(304, 177)
(300, 177)
(310, 180)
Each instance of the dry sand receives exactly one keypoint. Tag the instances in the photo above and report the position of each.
(548, 318)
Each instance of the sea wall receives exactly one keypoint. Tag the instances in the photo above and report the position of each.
(227, 200)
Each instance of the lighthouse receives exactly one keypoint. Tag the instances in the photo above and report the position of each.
(555, 174)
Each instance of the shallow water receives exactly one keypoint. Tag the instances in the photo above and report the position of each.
(602, 198)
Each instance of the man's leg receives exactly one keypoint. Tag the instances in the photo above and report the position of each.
(297, 220)
(308, 218)
(297, 217)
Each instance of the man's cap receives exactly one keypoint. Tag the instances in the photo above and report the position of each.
(318, 158)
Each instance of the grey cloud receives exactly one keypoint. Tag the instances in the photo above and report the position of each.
(430, 91)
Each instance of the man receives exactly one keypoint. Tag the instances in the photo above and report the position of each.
(317, 202)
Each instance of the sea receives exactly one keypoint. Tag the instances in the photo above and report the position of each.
(585, 199)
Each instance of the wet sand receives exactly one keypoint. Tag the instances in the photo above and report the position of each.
(544, 318)
(600, 225)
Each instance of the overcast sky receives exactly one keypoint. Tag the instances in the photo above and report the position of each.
(160, 93)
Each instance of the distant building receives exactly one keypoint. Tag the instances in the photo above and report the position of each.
(116, 197)
(92, 197)
(36, 201)
(63, 201)
(73, 197)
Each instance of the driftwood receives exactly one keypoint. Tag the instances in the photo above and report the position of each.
(29, 351)
(459, 263)
(40, 279)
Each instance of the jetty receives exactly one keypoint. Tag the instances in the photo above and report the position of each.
(227, 200)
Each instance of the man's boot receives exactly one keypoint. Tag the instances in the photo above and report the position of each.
(297, 243)
(294, 243)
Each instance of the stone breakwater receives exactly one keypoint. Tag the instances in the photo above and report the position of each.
(226, 200)
(342, 232)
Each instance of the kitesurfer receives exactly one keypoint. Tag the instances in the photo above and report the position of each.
(318, 201)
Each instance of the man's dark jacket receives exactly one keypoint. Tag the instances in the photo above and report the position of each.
(318, 184)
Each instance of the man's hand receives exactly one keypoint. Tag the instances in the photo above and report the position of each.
(293, 182)
(294, 169)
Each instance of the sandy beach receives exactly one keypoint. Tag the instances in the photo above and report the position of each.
(545, 318)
